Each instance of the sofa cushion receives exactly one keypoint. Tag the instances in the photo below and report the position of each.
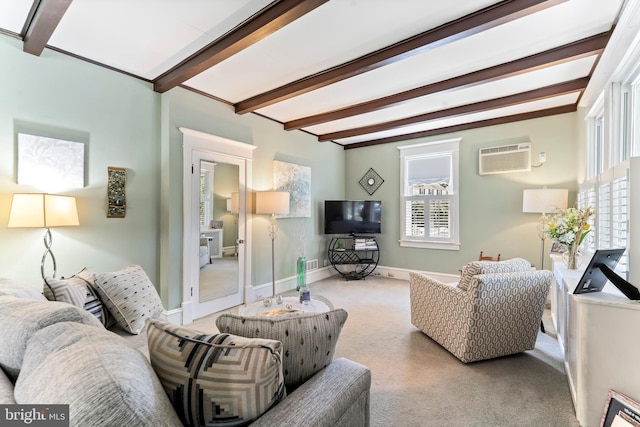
(309, 340)
(130, 297)
(215, 379)
(16, 289)
(474, 268)
(21, 318)
(104, 381)
(78, 290)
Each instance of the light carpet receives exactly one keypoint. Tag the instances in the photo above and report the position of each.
(416, 382)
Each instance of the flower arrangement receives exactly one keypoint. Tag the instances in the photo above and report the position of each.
(570, 228)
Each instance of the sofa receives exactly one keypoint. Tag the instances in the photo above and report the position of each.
(494, 310)
(54, 352)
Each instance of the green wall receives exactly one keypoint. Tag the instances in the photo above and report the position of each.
(116, 117)
(491, 217)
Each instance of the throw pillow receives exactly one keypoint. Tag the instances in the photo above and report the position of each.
(21, 318)
(474, 268)
(78, 290)
(308, 340)
(217, 379)
(130, 297)
(104, 380)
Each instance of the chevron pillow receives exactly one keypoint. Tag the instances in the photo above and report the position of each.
(217, 379)
(78, 290)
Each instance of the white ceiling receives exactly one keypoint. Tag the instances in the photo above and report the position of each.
(148, 38)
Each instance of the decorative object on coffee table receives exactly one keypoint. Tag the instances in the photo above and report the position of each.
(371, 181)
(116, 196)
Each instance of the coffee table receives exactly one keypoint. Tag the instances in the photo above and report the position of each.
(318, 304)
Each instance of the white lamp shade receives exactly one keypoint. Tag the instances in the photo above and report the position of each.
(544, 200)
(272, 202)
(42, 210)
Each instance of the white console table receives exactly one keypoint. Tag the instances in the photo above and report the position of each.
(599, 336)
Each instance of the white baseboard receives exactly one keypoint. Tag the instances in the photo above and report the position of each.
(403, 274)
(172, 316)
(258, 292)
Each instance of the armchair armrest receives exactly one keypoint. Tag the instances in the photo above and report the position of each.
(338, 395)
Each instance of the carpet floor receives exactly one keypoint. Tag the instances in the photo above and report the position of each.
(416, 382)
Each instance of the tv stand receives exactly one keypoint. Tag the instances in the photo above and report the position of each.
(354, 257)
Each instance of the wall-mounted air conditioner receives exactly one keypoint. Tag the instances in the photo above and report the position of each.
(505, 159)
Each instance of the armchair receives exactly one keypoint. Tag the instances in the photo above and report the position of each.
(491, 315)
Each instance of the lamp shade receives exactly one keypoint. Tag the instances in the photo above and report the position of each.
(544, 200)
(42, 210)
(272, 202)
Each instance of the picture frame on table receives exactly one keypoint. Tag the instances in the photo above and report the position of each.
(620, 411)
(557, 248)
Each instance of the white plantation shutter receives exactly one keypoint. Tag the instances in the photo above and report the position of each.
(619, 221)
(603, 215)
(429, 195)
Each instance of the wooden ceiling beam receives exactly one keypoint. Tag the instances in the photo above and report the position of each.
(558, 89)
(473, 23)
(259, 26)
(570, 52)
(570, 108)
(44, 22)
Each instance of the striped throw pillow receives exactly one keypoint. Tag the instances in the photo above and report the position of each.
(217, 379)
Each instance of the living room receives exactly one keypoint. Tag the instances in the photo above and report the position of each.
(123, 123)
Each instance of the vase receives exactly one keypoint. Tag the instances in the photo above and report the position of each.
(301, 270)
(570, 257)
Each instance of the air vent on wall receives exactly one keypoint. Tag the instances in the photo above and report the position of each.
(505, 159)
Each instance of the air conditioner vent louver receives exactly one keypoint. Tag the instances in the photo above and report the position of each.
(505, 159)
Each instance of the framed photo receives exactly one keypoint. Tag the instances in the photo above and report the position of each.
(557, 248)
(620, 411)
(217, 224)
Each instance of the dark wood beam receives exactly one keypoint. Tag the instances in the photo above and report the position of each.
(262, 24)
(558, 89)
(467, 126)
(570, 52)
(473, 23)
(44, 22)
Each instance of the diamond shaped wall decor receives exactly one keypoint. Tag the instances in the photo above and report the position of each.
(371, 181)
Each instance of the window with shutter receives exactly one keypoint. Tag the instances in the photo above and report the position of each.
(430, 195)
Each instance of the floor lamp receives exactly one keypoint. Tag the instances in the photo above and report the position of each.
(544, 201)
(273, 203)
(43, 211)
(233, 206)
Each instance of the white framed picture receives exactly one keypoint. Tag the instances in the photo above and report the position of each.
(49, 162)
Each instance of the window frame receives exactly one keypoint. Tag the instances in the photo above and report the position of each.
(449, 147)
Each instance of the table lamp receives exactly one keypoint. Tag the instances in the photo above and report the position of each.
(37, 210)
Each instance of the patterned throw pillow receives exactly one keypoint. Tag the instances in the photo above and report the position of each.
(474, 268)
(217, 379)
(78, 290)
(308, 340)
(130, 297)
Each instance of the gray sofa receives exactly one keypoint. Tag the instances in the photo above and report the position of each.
(56, 353)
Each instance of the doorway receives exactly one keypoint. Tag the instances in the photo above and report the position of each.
(214, 255)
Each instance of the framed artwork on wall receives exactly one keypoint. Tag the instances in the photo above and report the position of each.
(116, 194)
(49, 162)
(296, 180)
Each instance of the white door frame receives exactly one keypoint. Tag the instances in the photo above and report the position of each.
(195, 145)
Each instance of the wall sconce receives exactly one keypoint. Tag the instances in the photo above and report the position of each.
(43, 210)
(272, 202)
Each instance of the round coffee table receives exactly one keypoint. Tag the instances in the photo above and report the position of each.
(290, 305)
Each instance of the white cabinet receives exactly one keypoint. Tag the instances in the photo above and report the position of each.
(214, 237)
(598, 336)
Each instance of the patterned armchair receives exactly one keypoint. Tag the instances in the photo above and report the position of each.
(495, 310)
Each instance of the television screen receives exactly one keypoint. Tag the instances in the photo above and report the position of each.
(352, 216)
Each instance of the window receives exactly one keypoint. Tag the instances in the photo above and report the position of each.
(429, 189)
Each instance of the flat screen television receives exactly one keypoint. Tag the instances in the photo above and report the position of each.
(600, 270)
(352, 216)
